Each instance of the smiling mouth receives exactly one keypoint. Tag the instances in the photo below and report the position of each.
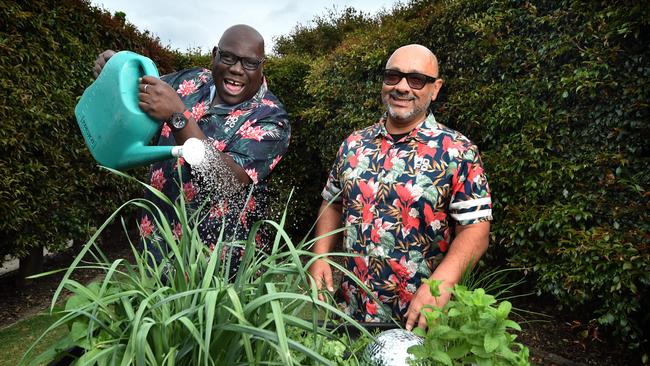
(233, 86)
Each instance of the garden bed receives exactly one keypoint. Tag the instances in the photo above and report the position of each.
(562, 340)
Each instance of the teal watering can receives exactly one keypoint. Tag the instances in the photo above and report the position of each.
(116, 130)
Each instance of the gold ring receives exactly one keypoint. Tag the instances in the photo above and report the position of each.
(145, 87)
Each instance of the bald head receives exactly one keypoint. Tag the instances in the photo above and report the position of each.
(245, 34)
(414, 58)
(410, 84)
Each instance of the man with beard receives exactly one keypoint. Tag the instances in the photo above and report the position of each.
(412, 196)
(246, 129)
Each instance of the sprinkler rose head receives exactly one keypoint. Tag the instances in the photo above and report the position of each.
(193, 151)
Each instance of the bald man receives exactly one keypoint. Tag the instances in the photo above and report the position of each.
(245, 126)
(413, 199)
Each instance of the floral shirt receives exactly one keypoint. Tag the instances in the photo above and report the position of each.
(254, 133)
(400, 201)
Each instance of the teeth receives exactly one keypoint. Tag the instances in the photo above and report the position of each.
(235, 83)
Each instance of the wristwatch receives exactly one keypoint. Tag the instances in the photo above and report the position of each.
(179, 120)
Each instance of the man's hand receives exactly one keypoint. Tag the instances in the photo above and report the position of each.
(101, 60)
(321, 271)
(423, 297)
(159, 99)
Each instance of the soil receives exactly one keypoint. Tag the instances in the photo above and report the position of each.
(554, 339)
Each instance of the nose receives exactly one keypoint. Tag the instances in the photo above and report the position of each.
(237, 68)
(402, 86)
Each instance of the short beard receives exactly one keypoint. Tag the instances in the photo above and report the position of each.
(401, 116)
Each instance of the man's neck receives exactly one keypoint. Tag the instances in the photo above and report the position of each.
(401, 127)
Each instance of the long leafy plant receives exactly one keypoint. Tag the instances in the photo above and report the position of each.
(184, 311)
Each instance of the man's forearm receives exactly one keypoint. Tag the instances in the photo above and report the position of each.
(469, 245)
(328, 221)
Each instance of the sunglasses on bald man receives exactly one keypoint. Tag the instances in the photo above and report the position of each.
(414, 79)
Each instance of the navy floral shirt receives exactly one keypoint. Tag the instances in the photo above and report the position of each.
(254, 133)
(400, 201)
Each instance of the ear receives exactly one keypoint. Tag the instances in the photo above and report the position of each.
(214, 52)
(437, 85)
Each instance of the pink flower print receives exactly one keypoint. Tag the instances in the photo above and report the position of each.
(165, 130)
(189, 190)
(219, 145)
(158, 179)
(203, 78)
(186, 88)
(146, 227)
(218, 209)
(234, 115)
(198, 111)
(275, 162)
(178, 231)
(180, 161)
(269, 103)
(252, 173)
(251, 133)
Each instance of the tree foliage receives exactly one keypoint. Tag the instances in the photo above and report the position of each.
(556, 96)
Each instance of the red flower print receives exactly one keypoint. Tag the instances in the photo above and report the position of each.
(352, 140)
(371, 307)
(475, 170)
(158, 179)
(358, 154)
(198, 111)
(434, 219)
(146, 227)
(189, 191)
(361, 268)
(443, 245)
(452, 147)
(399, 268)
(427, 150)
(378, 229)
(165, 130)
(186, 88)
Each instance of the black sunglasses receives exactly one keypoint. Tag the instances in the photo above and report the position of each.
(414, 79)
(248, 63)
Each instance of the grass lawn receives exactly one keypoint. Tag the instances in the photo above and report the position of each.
(16, 339)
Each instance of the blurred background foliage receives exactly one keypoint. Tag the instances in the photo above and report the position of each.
(554, 93)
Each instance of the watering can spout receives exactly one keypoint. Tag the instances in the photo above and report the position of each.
(116, 130)
(193, 151)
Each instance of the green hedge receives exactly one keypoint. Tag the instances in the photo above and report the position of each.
(556, 96)
(51, 189)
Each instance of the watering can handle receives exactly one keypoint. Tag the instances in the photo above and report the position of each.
(148, 67)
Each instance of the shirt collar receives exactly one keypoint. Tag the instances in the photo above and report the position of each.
(419, 133)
